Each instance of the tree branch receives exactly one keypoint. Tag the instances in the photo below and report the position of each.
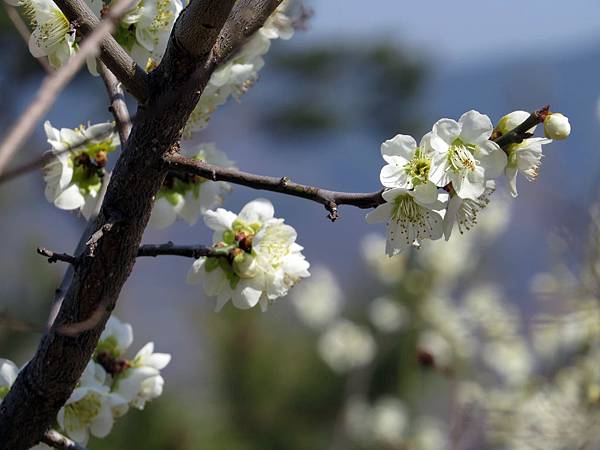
(54, 257)
(57, 440)
(117, 107)
(46, 382)
(330, 199)
(187, 251)
(133, 77)
(54, 83)
(245, 19)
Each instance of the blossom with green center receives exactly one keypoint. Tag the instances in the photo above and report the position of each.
(89, 408)
(265, 260)
(116, 338)
(409, 219)
(189, 196)
(463, 212)
(408, 165)
(144, 31)
(52, 35)
(74, 171)
(464, 155)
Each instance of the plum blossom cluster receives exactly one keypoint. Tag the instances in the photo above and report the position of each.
(261, 260)
(143, 31)
(240, 72)
(109, 385)
(449, 177)
(188, 196)
(75, 167)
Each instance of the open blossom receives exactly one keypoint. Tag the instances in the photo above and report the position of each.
(410, 219)
(264, 260)
(89, 408)
(144, 31)
(189, 196)
(240, 71)
(74, 172)
(465, 155)
(141, 382)
(52, 35)
(318, 300)
(345, 346)
(524, 157)
(463, 211)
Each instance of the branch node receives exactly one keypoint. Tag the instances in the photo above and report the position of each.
(284, 181)
(331, 206)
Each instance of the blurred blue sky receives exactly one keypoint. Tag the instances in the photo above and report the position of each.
(462, 31)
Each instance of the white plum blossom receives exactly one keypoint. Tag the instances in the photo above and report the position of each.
(411, 215)
(189, 196)
(116, 338)
(52, 35)
(390, 421)
(89, 408)
(318, 300)
(433, 343)
(346, 346)
(465, 155)
(524, 157)
(463, 212)
(557, 126)
(264, 260)
(240, 71)
(142, 382)
(8, 375)
(144, 30)
(408, 165)
(73, 174)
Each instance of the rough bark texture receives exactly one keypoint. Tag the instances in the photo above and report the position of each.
(46, 383)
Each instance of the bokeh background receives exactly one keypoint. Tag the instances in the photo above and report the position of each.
(325, 101)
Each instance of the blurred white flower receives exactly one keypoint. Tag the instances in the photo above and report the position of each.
(428, 433)
(390, 421)
(387, 315)
(266, 260)
(346, 346)
(387, 270)
(279, 25)
(410, 220)
(435, 346)
(74, 172)
(510, 359)
(464, 155)
(318, 300)
(557, 126)
(189, 196)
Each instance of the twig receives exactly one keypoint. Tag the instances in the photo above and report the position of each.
(118, 107)
(55, 439)
(55, 82)
(24, 32)
(518, 134)
(188, 251)
(330, 199)
(55, 257)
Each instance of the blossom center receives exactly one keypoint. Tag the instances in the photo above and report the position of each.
(82, 413)
(418, 168)
(460, 156)
(405, 208)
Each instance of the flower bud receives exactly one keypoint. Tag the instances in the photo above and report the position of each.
(511, 121)
(556, 126)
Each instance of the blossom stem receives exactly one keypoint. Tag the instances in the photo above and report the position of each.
(519, 133)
